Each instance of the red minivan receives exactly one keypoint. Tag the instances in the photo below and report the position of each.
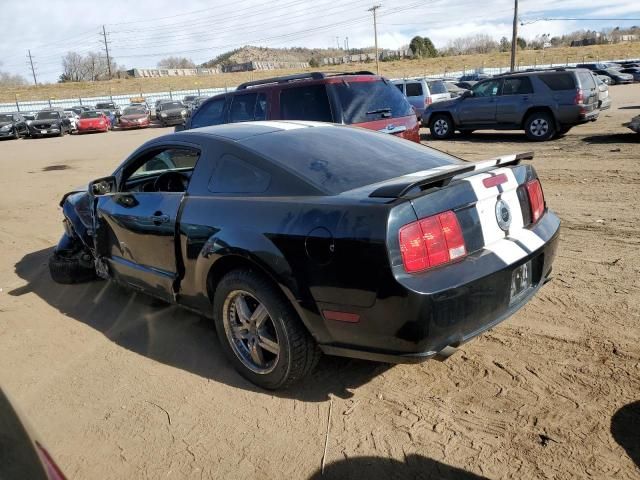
(361, 99)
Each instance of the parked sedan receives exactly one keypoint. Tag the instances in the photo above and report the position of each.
(50, 122)
(171, 113)
(634, 71)
(13, 125)
(134, 117)
(306, 237)
(93, 121)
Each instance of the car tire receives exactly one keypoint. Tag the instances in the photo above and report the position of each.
(288, 352)
(540, 126)
(69, 270)
(441, 127)
(16, 134)
(61, 134)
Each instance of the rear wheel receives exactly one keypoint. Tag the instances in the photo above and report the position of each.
(69, 268)
(260, 331)
(540, 126)
(441, 126)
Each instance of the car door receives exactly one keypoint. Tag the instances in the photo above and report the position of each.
(481, 107)
(136, 226)
(514, 100)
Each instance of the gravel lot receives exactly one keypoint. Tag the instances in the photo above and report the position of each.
(119, 386)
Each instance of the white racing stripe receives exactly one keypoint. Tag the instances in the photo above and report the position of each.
(527, 238)
(507, 251)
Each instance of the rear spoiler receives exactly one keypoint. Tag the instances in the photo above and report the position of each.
(441, 176)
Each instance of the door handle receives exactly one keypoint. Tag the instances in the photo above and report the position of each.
(159, 218)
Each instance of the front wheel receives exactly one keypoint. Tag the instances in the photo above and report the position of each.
(260, 332)
(69, 268)
(441, 127)
(540, 126)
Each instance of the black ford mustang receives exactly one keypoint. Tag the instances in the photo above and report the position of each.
(302, 237)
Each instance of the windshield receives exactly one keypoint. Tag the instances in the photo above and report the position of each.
(90, 115)
(188, 98)
(368, 101)
(135, 111)
(47, 116)
(170, 105)
(6, 117)
(105, 105)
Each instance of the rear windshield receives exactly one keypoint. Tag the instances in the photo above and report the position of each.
(90, 115)
(559, 81)
(102, 106)
(338, 159)
(367, 101)
(586, 80)
(437, 86)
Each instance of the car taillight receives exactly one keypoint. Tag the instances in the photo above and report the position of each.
(428, 101)
(579, 98)
(536, 199)
(431, 242)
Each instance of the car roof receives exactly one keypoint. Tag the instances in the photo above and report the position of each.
(240, 131)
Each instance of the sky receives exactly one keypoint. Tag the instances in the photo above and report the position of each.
(141, 32)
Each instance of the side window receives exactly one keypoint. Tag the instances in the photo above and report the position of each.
(242, 108)
(261, 107)
(414, 89)
(559, 81)
(211, 113)
(157, 162)
(399, 85)
(486, 89)
(517, 86)
(233, 175)
(305, 103)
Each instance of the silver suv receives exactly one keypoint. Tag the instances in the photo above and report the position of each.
(543, 103)
(421, 93)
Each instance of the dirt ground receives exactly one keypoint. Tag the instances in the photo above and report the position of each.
(119, 386)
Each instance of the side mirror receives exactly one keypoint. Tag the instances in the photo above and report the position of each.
(103, 186)
(467, 93)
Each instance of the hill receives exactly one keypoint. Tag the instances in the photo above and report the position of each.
(397, 68)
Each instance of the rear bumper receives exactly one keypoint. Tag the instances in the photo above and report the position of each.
(460, 304)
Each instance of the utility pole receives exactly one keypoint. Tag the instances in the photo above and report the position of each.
(347, 40)
(106, 48)
(33, 70)
(514, 37)
(375, 33)
(338, 42)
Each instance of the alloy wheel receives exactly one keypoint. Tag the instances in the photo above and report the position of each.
(441, 127)
(251, 332)
(539, 127)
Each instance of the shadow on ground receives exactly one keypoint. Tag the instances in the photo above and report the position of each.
(483, 137)
(625, 429)
(172, 335)
(373, 468)
(630, 137)
(630, 107)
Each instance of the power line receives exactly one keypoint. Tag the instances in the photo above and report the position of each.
(580, 20)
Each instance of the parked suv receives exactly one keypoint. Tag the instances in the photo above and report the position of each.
(360, 98)
(421, 92)
(543, 103)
